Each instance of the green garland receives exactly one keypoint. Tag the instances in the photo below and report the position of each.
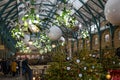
(30, 20)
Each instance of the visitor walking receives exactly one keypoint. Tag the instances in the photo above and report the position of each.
(13, 67)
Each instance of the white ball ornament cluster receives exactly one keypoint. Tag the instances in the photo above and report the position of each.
(54, 33)
(112, 11)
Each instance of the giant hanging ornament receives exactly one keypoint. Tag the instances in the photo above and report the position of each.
(112, 11)
(54, 33)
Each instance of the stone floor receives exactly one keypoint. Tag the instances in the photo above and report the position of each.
(9, 77)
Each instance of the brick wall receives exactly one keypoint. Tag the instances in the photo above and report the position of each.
(75, 46)
(116, 38)
(104, 42)
(69, 45)
(95, 45)
(103, 23)
(80, 44)
(87, 43)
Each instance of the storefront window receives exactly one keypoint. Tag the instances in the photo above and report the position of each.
(96, 41)
(88, 41)
(81, 45)
(107, 37)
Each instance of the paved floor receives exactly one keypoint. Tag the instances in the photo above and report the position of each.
(9, 77)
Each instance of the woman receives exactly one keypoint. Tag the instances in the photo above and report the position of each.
(13, 67)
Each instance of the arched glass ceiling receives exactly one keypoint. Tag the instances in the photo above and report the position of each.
(47, 8)
(87, 12)
(8, 10)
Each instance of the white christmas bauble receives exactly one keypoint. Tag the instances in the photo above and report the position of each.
(68, 68)
(54, 33)
(68, 58)
(112, 11)
(85, 68)
(62, 39)
(78, 61)
(80, 75)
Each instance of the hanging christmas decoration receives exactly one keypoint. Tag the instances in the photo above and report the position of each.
(80, 75)
(54, 33)
(108, 76)
(78, 61)
(33, 28)
(112, 11)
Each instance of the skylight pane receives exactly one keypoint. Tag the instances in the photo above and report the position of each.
(53, 1)
(72, 11)
(77, 4)
(85, 1)
(93, 28)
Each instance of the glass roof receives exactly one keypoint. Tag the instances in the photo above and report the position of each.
(85, 11)
(45, 7)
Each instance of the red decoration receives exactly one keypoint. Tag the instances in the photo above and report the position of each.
(115, 74)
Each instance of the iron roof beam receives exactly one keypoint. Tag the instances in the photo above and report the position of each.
(10, 12)
(53, 10)
(7, 12)
(4, 8)
(97, 25)
(51, 16)
(91, 14)
(76, 15)
(85, 16)
(96, 11)
(81, 17)
(100, 1)
(97, 4)
(45, 4)
(56, 9)
(15, 16)
(8, 6)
